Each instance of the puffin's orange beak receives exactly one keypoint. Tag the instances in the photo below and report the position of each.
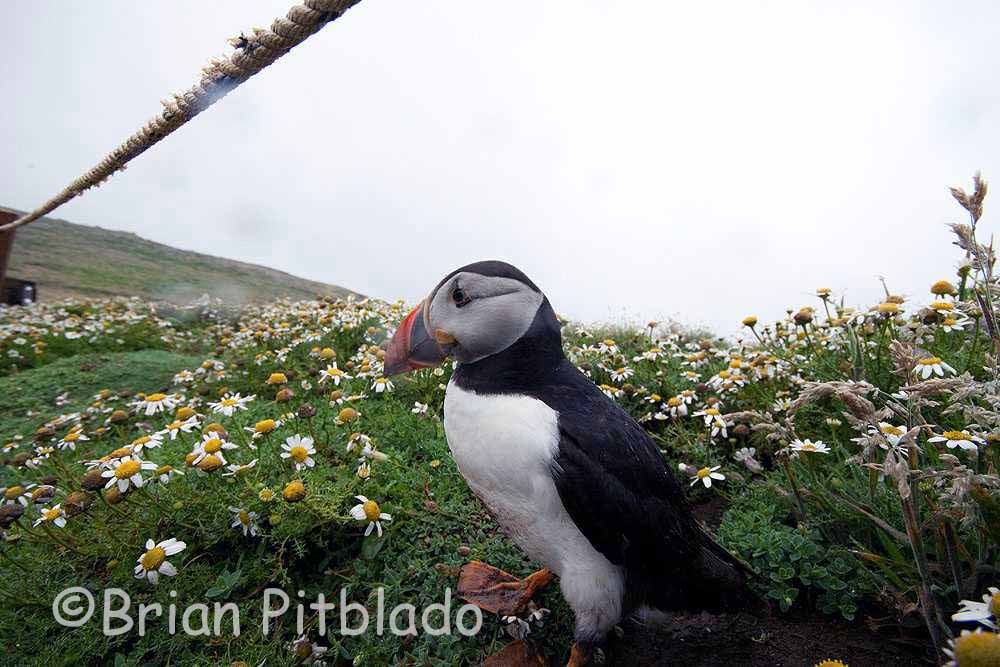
(412, 347)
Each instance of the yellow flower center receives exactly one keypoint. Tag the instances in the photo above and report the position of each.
(712, 412)
(889, 429)
(153, 559)
(119, 453)
(212, 445)
(127, 469)
(942, 305)
(372, 510)
(173, 426)
(228, 402)
(956, 435)
(674, 402)
(71, 437)
(209, 463)
(141, 440)
(244, 517)
(831, 663)
(808, 447)
(264, 426)
(888, 307)
(929, 361)
(978, 649)
(163, 470)
(155, 398)
(950, 321)
(299, 453)
(277, 378)
(725, 375)
(703, 473)
(51, 514)
(347, 415)
(13, 492)
(266, 495)
(608, 342)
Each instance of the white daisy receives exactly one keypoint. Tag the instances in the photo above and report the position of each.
(245, 520)
(211, 444)
(154, 561)
(69, 440)
(368, 510)
(126, 472)
(156, 403)
(929, 366)
(962, 439)
(230, 403)
(174, 428)
(300, 450)
(333, 374)
(986, 612)
(808, 445)
(382, 385)
(706, 475)
(54, 515)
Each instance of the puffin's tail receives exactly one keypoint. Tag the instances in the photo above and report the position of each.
(723, 582)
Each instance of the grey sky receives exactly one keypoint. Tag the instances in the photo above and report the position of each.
(651, 159)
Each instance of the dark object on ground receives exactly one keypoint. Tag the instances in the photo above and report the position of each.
(17, 292)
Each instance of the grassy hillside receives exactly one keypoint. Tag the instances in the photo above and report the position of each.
(70, 260)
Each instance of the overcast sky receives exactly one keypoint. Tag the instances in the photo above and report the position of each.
(701, 161)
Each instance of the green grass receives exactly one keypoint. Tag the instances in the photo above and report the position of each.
(80, 377)
(70, 260)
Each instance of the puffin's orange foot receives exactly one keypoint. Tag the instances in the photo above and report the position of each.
(497, 592)
(579, 656)
(516, 654)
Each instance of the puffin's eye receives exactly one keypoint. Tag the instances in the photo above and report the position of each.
(459, 297)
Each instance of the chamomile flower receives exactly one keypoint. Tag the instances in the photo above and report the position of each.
(212, 445)
(176, 427)
(621, 374)
(333, 374)
(929, 366)
(53, 515)
(714, 419)
(146, 442)
(165, 473)
(230, 403)
(69, 440)
(381, 385)
(807, 445)
(954, 324)
(156, 403)
(419, 408)
(368, 510)
(126, 472)
(299, 450)
(972, 649)
(706, 475)
(986, 612)
(676, 406)
(17, 494)
(607, 346)
(239, 469)
(153, 563)
(242, 519)
(962, 439)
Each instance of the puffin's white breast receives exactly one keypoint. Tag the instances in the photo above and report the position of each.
(504, 446)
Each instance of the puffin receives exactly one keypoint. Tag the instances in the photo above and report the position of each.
(568, 475)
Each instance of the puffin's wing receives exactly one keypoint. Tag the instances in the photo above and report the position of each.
(618, 490)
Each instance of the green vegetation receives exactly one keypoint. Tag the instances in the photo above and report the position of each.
(69, 260)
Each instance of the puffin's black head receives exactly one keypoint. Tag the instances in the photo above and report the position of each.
(474, 312)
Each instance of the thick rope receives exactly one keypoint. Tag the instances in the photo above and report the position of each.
(252, 54)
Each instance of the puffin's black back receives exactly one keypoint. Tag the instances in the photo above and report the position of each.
(612, 479)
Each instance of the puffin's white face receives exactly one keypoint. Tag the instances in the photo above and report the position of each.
(468, 316)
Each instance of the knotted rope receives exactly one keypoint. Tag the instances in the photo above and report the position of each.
(252, 54)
